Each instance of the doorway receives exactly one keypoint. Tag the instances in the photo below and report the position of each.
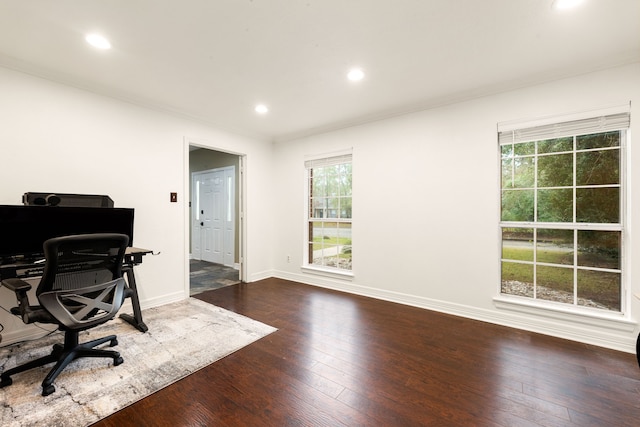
(215, 228)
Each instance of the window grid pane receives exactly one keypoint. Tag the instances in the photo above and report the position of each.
(330, 212)
(561, 220)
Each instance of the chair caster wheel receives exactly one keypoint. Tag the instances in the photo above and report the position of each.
(118, 361)
(46, 391)
(113, 343)
(6, 382)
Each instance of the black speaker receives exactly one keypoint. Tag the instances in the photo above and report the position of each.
(60, 199)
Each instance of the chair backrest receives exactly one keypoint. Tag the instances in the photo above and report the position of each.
(82, 282)
(76, 261)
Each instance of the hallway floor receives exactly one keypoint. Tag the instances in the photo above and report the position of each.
(205, 276)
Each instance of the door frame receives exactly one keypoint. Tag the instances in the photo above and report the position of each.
(241, 192)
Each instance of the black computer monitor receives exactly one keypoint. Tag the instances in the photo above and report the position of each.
(24, 229)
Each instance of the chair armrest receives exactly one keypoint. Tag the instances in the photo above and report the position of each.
(24, 310)
(16, 285)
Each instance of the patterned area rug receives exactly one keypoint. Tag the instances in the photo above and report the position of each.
(182, 338)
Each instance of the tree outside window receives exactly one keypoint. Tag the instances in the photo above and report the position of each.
(561, 217)
(329, 212)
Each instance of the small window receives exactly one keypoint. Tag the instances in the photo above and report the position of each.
(329, 217)
(562, 212)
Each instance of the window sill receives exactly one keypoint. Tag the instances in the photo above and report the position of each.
(328, 272)
(587, 316)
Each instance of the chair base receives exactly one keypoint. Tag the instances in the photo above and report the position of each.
(62, 355)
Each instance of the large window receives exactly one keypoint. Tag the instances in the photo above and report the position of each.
(329, 212)
(562, 212)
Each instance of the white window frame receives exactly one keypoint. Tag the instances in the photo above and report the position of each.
(333, 158)
(590, 122)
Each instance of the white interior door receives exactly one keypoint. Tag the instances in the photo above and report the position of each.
(196, 235)
(213, 230)
(215, 212)
(229, 222)
(204, 218)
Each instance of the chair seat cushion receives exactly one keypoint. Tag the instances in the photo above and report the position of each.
(35, 313)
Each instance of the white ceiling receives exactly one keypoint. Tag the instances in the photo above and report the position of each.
(215, 59)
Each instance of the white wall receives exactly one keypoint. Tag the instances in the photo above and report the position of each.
(55, 138)
(426, 205)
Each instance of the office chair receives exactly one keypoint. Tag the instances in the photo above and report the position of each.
(81, 287)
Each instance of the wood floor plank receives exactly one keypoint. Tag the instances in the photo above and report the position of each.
(339, 359)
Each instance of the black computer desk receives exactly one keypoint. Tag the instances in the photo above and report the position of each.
(133, 257)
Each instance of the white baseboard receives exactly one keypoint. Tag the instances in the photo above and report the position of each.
(161, 300)
(616, 335)
(22, 332)
(28, 333)
(254, 277)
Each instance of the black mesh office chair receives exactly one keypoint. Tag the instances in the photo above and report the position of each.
(81, 287)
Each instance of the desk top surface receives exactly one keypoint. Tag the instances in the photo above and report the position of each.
(136, 251)
(132, 255)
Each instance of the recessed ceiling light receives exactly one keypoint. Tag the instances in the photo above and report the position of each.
(262, 109)
(98, 41)
(566, 4)
(355, 74)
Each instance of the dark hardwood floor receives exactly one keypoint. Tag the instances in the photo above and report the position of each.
(344, 360)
